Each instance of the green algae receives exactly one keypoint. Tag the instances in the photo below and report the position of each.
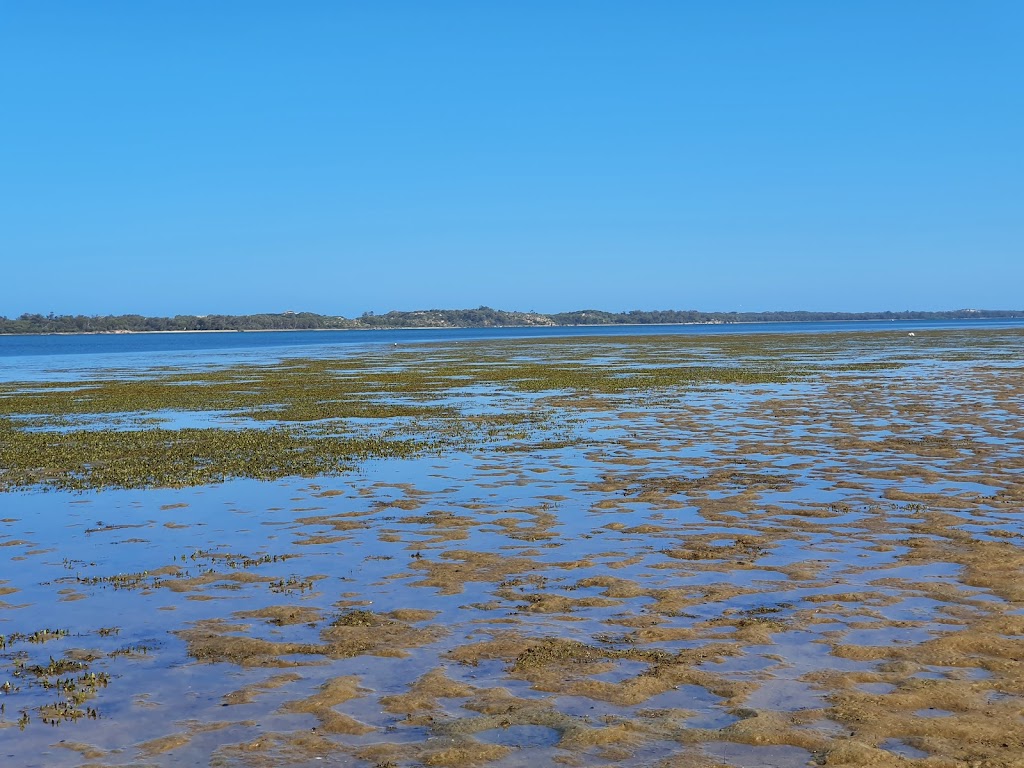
(96, 459)
(322, 417)
(68, 679)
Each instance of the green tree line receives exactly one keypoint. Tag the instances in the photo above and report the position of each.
(482, 317)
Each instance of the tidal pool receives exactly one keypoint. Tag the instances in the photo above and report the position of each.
(650, 551)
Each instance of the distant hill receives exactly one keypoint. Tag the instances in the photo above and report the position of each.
(482, 317)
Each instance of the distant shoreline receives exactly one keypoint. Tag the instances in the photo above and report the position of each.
(439, 319)
(389, 328)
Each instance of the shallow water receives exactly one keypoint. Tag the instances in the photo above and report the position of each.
(731, 571)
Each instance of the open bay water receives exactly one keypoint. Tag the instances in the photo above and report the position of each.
(65, 356)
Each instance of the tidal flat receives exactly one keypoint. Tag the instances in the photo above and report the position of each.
(707, 551)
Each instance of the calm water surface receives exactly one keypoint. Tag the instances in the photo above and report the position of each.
(27, 357)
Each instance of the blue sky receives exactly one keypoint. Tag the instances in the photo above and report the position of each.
(187, 156)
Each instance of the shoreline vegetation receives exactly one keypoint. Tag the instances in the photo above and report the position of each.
(482, 317)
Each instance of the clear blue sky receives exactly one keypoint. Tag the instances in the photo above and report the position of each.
(190, 156)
